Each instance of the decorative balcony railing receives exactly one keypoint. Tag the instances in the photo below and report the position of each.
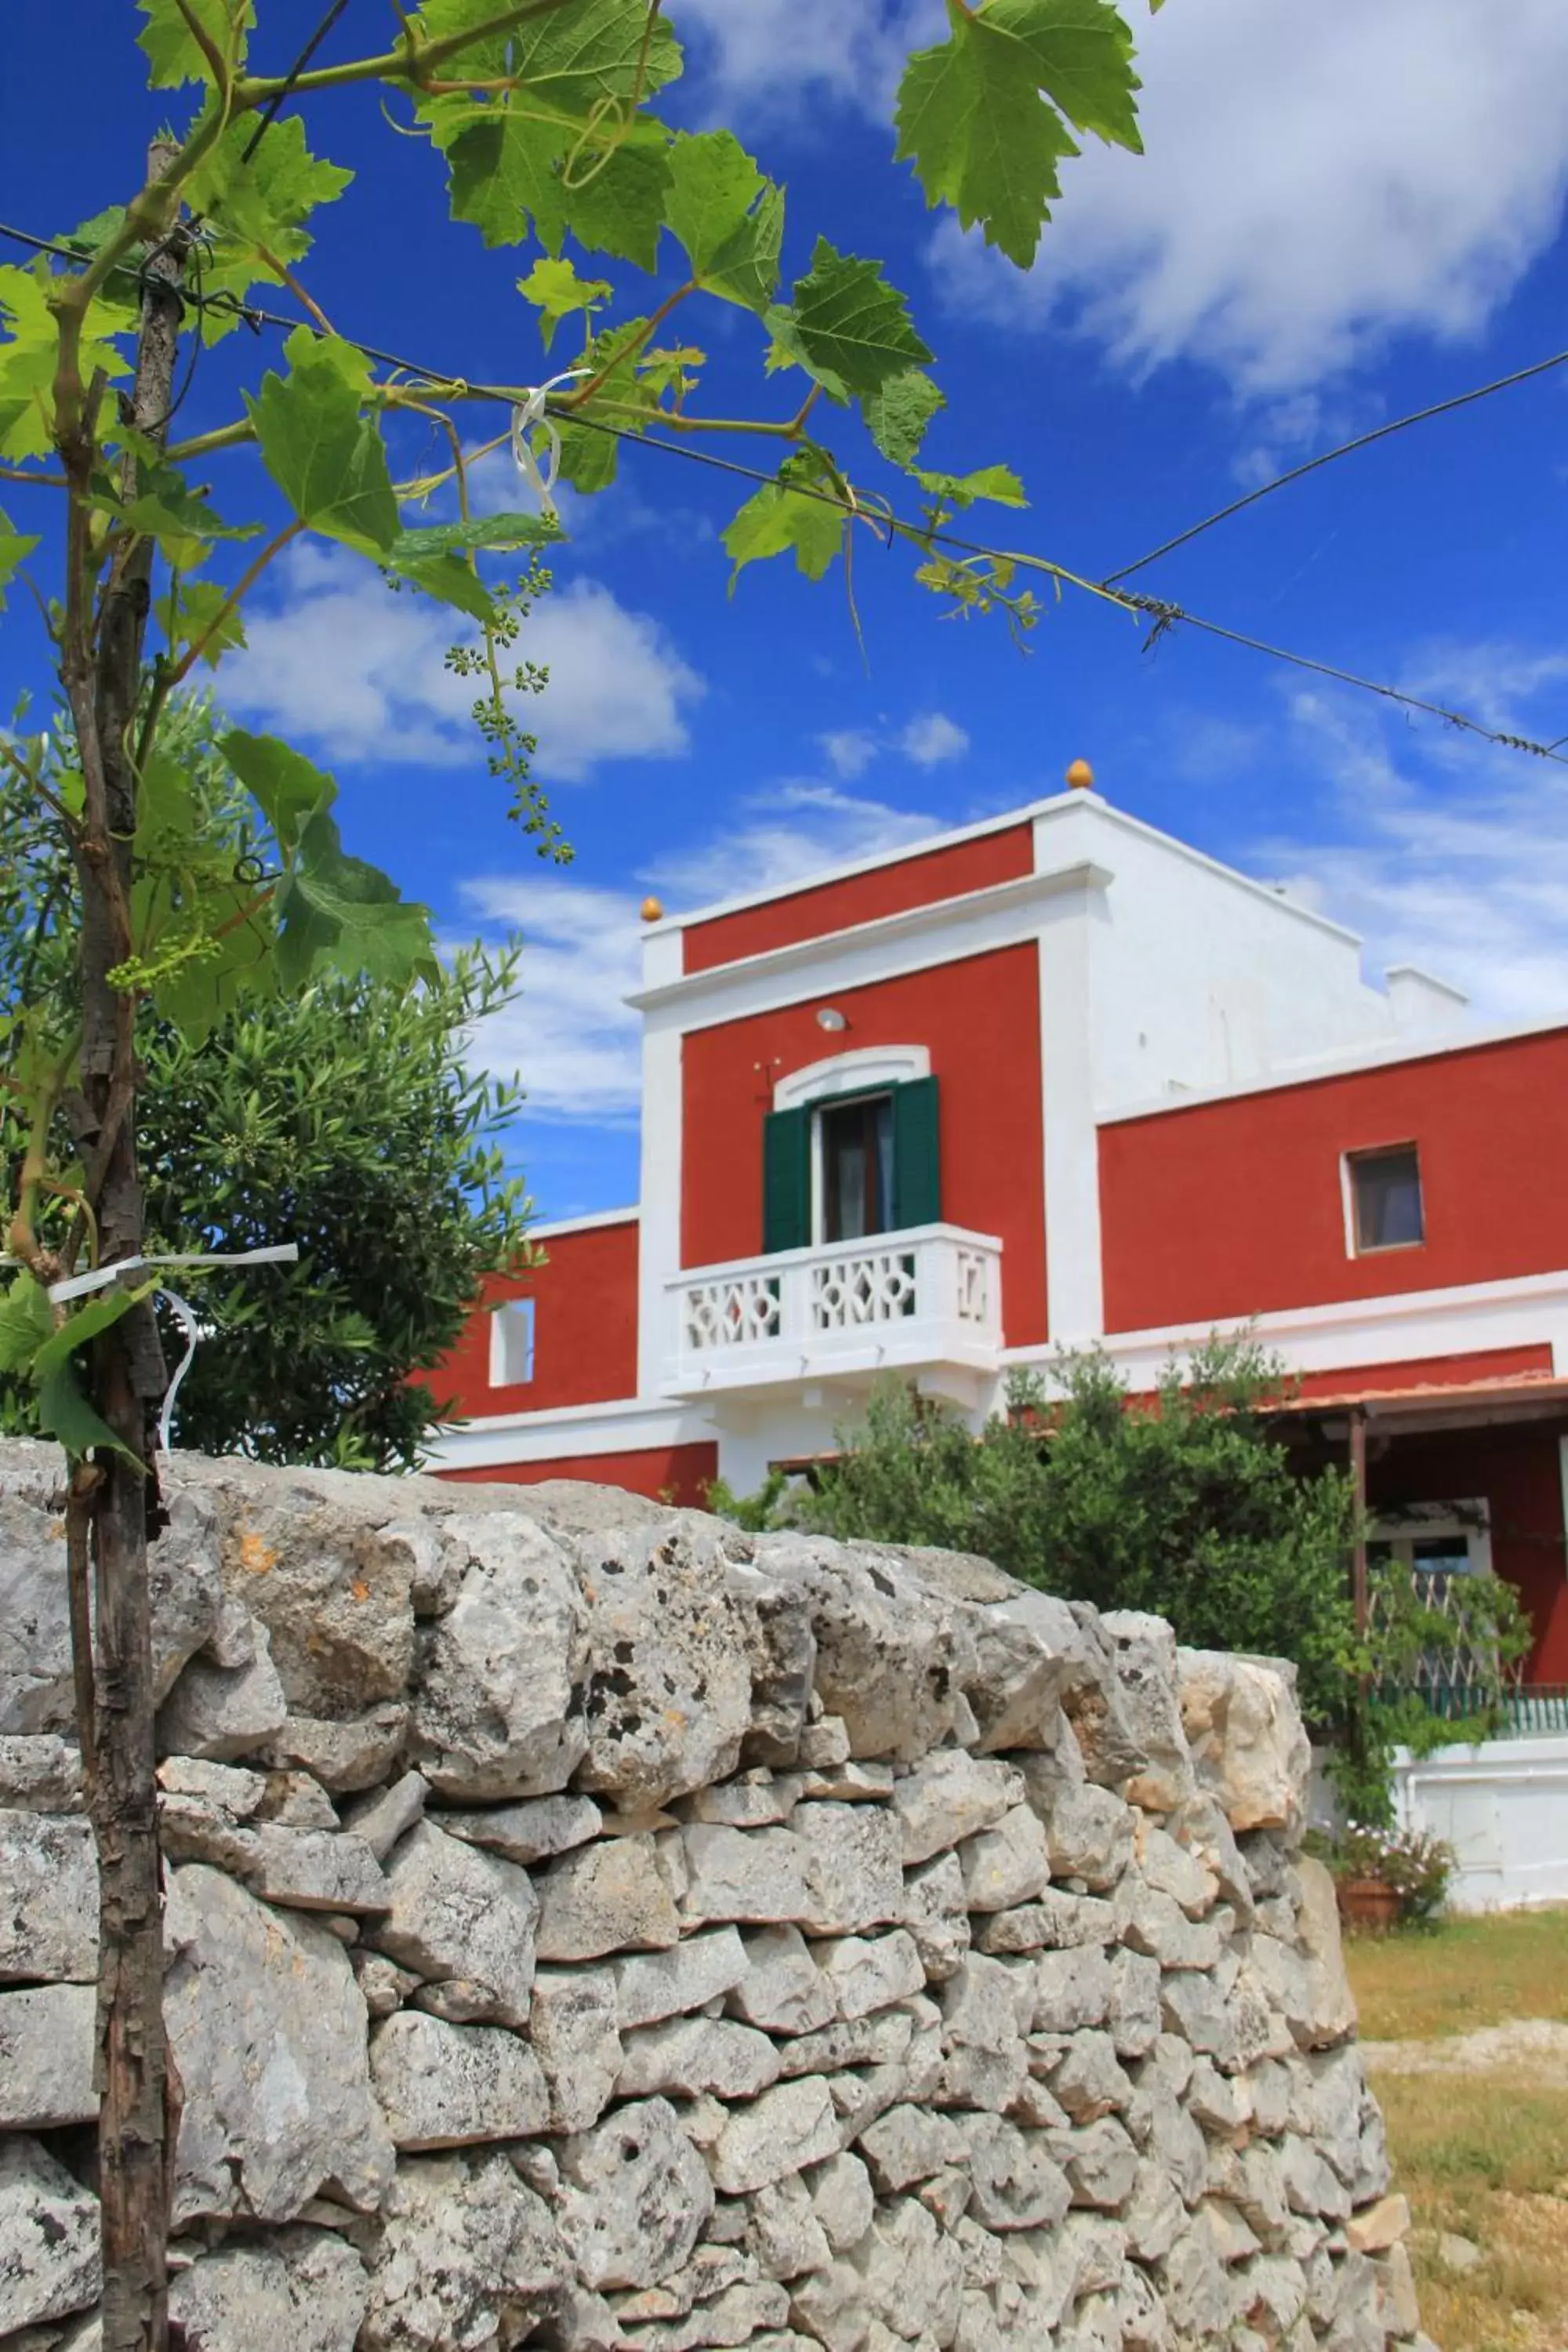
(929, 1299)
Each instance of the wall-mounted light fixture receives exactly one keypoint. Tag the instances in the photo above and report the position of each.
(829, 1017)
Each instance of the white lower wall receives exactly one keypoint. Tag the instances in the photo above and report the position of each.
(1503, 1808)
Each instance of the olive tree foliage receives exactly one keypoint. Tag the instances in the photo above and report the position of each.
(139, 542)
(348, 1115)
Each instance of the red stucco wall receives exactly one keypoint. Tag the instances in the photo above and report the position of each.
(681, 1473)
(584, 1331)
(981, 1021)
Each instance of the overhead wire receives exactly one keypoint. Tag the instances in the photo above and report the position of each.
(1164, 615)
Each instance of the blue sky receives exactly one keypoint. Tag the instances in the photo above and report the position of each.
(1343, 213)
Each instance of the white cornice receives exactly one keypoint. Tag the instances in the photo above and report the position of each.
(588, 1225)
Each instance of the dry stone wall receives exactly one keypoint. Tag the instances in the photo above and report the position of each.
(591, 1926)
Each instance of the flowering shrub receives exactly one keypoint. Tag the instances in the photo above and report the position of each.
(1413, 1864)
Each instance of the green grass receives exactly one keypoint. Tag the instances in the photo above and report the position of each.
(1461, 1975)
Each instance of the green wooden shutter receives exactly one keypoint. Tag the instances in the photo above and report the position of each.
(917, 1156)
(786, 1179)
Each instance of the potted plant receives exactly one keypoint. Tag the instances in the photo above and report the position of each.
(1388, 1878)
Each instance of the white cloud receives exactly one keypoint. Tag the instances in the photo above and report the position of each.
(1442, 851)
(849, 751)
(357, 672)
(571, 1040)
(930, 739)
(1315, 179)
(764, 56)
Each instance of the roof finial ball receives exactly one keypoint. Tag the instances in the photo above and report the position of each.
(1081, 776)
(652, 910)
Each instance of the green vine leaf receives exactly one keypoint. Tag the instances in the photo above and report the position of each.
(899, 413)
(976, 119)
(262, 203)
(497, 533)
(851, 325)
(28, 353)
(326, 458)
(65, 1413)
(556, 291)
(617, 206)
(173, 55)
(167, 509)
(777, 518)
(287, 788)
(26, 1323)
(997, 484)
(16, 546)
(728, 218)
(338, 910)
(201, 615)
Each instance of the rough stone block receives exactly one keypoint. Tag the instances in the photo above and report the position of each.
(604, 1898)
(635, 2197)
(445, 2086)
(49, 1900)
(47, 2035)
(49, 2238)
(456, 1912)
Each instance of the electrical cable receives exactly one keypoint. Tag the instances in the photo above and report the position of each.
(1164, 615)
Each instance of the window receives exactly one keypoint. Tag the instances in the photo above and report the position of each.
(511, 1344)
(1383, 1189)
(855, 1183)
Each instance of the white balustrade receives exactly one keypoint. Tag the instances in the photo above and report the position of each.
(926, 1298)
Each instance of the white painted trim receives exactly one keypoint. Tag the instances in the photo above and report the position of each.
(1422, 1520)
(865, 1069)
(627, 1426)
(1522, 1311)
(558, 1227)
(1075, 1294)
(916, 941)
(659, 1243)
(1562, 1480)
(1379, 1054)
(1428, 980)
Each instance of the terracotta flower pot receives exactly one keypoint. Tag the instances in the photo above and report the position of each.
(1367, 1903)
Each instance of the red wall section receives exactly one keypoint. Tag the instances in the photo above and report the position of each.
(1429, 1371)
(975, 865)
(682, 1472)
(1517, 1470)
(584, 1329)
(981, 1020)
(1233, 1208)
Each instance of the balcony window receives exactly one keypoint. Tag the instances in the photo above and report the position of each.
(1384, 1200)
(849, 1166)
(854, 1146)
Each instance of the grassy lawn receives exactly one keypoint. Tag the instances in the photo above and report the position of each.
(1483, 2156)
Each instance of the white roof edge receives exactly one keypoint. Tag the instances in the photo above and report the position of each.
(1428, 980)
(558, 1225)
(1217, 867)
(1309, 1073)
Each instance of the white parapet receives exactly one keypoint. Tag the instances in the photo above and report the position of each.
(1503, 1808)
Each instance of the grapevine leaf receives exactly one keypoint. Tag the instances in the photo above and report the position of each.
(728, 218)
(972, 118)
(284, 785)
(15, 548)
(338, 910)
(588, 456)
(257, 204)
(201, 615)
(787, 349)
(556, 291)
(777, 518)
(173, 55)
(849, 320)
(589, 460)
(998, 484)
(167, 509)
(581, 60)
(617, 207)
(65, 1413)
(448, 580)
(501, 171)
(501, 532)
(99, 1312)
(26, 1323)
(899, 413)
(328, 460)
(29, 354)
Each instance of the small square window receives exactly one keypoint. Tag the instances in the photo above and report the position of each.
(1385, 1199)
(511, 1344)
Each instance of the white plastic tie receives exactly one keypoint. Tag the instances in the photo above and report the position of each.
(100, 1278)
(529, 416)
(185, 1315)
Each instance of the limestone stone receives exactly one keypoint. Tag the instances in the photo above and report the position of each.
(40, 1772)
(1229, 2232)
(345, 1753)
(852, 1868)
(384, 1986)
(870, 1972)
(879, 2041)
(1333, 2011)
(381, 1819)
(781, 1654)
(1174, 1869)
(1195, 2289)
(222, 1712)
(467, 2251)
(1154, 2215)
(1027, 1655)
(908, 2144)
(1145, 1654)
(757, 1800)
(532, 1830)
(911, 2274)
(1088, 1830)
(669, 1697)
(1089, 2082)
(47, 2035)
(498, 1713)
(457, 1912)
(780, 1989)
(1168, 2137)
(950, 1797)
(824, 1742)
(1134, 2018)
(784, 2233)
(736, 2316)
(712, 2269)
(1191, 2005)
(690, 2056)
(788, 2128)
(1245, 1730)
(988, 2004)
(891, 1655)
(635, 2197)
(936, 1913)
(602, 1898)
(829, 2307)
(1018, 2184)
(317, 1870)
(1312, 2184)
(308, 2292)
(1054, 1921)
(444, 2085)
(1073, 1989)
(1271, 2294)
(49, 1898)
(1006, 1866)
(653, 1985)
(1154, 1924)
(752, 1876)
(268, 2028)
(49, 2238)
(852, 1783)
(843, 2200)
(1099, 2161)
